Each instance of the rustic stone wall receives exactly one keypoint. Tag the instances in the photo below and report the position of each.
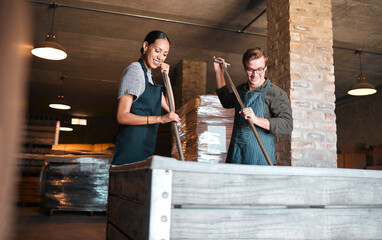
(299, 46)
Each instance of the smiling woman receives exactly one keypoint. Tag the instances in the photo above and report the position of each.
(140, 102)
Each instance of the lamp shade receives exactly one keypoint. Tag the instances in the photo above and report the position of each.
(60, 103)
(49, 49)
(362, 88)
(65, 126)
(66, 129)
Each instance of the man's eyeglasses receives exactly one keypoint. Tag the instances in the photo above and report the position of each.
(259, 70)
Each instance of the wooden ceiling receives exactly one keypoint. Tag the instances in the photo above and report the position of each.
(102, 37)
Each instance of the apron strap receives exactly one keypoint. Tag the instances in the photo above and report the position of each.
(145, 70)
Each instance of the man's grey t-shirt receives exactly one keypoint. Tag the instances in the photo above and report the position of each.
(133, 81)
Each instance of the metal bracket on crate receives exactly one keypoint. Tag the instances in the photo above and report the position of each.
(160, 204)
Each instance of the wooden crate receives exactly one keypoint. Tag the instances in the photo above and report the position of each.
(38, 138)
(162, 198)
(30, 185)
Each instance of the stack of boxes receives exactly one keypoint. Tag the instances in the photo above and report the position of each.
(205, 130)
(77, 177)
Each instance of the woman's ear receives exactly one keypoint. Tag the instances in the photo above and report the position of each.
(145, 46)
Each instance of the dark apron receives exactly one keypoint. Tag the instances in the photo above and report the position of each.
(244, 148)
(137, 142)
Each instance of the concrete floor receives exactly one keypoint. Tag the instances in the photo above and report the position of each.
(32, 223)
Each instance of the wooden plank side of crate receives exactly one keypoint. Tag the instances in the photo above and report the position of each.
(277, 223)
(149, 186)
(227, 201)
(114, 234)
(128, 216)
(222, 184)
(158, 162)
(129, 184)
(203, 188)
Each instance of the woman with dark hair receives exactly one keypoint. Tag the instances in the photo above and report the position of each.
(140, 102)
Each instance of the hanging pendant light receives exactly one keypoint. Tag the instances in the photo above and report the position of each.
(60, 103)
(361, 88)
(65, 126)
(50, 49)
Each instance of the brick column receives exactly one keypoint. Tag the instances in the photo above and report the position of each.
(300, 40)
(190, 81)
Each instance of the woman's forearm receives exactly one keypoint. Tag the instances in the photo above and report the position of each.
(133, 119)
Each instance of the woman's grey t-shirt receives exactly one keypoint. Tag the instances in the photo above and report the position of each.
(133, 81)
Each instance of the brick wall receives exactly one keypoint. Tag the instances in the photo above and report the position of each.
(299, 47)
(190, 81)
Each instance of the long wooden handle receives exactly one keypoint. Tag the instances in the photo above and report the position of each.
(171, 104)
(249, 121)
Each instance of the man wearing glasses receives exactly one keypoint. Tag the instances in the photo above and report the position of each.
(266, 106)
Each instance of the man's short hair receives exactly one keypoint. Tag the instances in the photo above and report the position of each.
(254, 53)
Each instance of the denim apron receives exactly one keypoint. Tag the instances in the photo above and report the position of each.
(137, 142)
(244, 148)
